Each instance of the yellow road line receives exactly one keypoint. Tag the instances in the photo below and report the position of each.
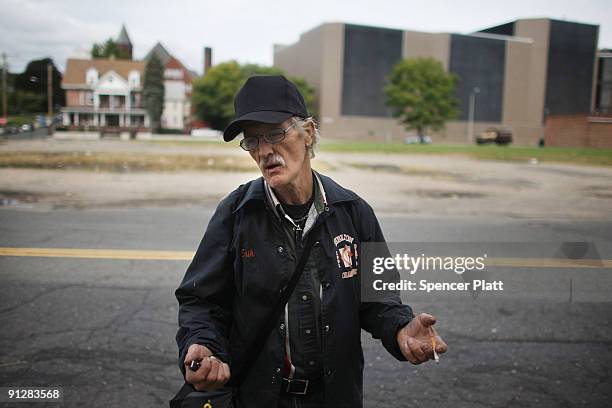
(188, 255)
(98, 253)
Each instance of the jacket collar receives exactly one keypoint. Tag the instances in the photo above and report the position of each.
(318, 206)
(331, 190)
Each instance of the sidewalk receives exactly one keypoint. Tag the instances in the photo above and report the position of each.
(212, 135)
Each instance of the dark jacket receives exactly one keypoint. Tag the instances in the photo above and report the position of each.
(242, 264)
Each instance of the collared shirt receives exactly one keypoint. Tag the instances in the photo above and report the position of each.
(318, 206)
(302, 317)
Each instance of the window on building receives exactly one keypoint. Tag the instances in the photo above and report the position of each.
(173, 73)
(603, 98)
(91, 77)
(134, 79)
(134, 100)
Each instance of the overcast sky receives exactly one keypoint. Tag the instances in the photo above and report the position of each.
(246, 30)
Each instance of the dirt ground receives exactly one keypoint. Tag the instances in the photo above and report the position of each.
(391, 183)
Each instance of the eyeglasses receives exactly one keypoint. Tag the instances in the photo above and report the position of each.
(250, 143)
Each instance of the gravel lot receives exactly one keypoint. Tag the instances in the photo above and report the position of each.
(413, 184)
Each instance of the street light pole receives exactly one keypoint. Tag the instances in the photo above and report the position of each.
(4, 99)
(470, 133)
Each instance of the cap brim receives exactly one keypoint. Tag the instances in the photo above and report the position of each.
(235, 126)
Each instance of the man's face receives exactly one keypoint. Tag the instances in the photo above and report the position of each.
(280, 163)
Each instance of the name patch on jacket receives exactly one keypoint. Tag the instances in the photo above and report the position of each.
(247, 253)
(346, 255)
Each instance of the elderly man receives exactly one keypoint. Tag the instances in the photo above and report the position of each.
(310, 353)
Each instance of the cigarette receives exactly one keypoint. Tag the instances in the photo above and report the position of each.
(433, 345)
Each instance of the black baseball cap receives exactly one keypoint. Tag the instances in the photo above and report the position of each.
(267, 99)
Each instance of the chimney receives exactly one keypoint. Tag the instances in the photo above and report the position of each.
(207, 59)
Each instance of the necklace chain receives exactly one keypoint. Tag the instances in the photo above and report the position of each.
(299, 219)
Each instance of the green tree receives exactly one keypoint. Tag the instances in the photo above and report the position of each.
(24, 102)
(309, 94)
(153, 91)
(213, 94)
(107, 49)
(248, 70)
(421, 94)
(31, 87)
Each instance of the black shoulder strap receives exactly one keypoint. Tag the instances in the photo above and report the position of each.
(256, 346)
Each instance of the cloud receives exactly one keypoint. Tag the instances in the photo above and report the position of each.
(32, 30)
(246, 30)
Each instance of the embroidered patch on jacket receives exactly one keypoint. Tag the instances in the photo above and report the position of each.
(346, 255)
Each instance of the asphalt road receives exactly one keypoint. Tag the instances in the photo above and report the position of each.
(103, 329)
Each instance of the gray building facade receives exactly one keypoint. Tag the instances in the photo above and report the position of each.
(523, 70)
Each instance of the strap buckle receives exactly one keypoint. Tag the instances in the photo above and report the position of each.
(296, 386)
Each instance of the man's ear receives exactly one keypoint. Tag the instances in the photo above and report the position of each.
(308, 134)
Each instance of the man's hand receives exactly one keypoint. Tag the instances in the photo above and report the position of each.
(414, 339)
(213, 373)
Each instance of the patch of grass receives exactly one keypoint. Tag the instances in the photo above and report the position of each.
(128, 162)
(123, 162)
(234, 144)
(18, 120)
(591, 156)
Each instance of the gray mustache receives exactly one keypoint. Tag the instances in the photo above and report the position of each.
(272, 160)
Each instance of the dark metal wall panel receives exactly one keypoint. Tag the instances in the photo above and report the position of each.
(504, 29)
(479, 62)
(369, 56)
(603, 100)
(571, 59)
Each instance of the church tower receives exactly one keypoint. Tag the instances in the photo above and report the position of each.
(124, 43)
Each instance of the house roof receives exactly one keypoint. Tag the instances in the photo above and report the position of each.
(174, 63)
(123, 38)
(76, 69)
(170, 61)
(161, 52)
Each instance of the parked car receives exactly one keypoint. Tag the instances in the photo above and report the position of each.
(206, 133)
(12, 129)
(495, 135)
(415, 140)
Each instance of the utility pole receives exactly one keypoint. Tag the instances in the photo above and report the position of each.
(50, 97)
(472, 102)
(4, 90)
(50, 90)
